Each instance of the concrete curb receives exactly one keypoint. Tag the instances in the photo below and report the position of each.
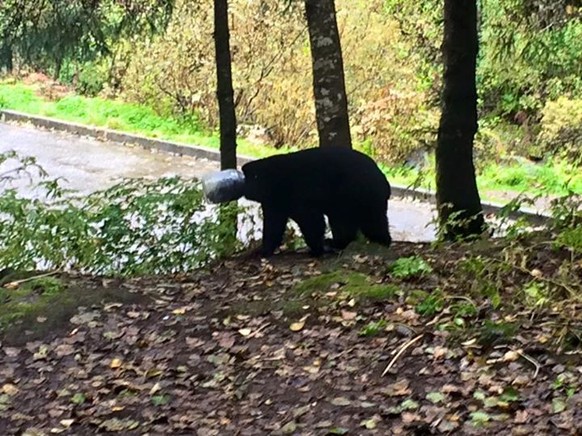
(214, 155)
(116, 136)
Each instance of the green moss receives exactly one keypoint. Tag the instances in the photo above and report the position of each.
(349, 283)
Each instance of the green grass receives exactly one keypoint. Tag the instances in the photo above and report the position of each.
(554, 177)
(116, 115)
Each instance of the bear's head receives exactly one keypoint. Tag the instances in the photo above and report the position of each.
(258, 181)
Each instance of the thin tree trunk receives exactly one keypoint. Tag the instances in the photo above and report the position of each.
(6, 58)
(224, 93)
(227, 213)
(331, 103)
(460, 212)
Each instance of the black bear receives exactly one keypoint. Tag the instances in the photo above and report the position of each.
(345, 185)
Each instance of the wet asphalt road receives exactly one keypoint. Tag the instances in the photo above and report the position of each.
(88, 165)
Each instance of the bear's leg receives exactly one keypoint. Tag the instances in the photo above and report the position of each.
(344, 230)
(312, 226)
(274, 224)
(374, 224)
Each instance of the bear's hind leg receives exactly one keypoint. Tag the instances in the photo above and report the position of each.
(375, 226)
(344, 231)
(312, 226)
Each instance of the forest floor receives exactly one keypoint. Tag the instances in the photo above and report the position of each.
(417, 339)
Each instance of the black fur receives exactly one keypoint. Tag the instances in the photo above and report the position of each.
(345, 185)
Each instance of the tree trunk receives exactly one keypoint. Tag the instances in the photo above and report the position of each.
(460, 212)
(6, 58)
(329, 88)
(224, 93)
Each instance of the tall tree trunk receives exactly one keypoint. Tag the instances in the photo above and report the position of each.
(227, 213)
(224, 93)
(329, 88)
(460, 212)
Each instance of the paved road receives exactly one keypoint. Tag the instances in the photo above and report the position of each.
(89, 165)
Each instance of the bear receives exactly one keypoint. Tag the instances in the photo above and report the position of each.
(343, 184)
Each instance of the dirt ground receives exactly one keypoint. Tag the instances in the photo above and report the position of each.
(297, 346)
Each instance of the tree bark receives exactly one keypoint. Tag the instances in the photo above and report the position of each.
(458, 201)
(224, 92)
(329, 89)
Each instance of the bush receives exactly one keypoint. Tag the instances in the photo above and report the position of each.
(272, 74)
(134, 227)
(561, 128)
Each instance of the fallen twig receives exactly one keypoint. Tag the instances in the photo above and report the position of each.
(532, 361)
(402, 349)
(16, 283)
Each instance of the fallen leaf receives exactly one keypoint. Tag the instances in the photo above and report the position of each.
(511, 356)
(116, 425)
(64, 350)
(435, 397)
(348, 316)
(155, 388)
(67, 422)
(371, 423)
(296, 326)
(338, 430)
(558, 405)
(180, 310)
(288, 428)
(245, 332)
(323, 424)
(11, 352)
(340, 401)
(10, 389)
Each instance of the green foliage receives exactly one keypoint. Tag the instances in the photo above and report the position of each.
(134, 227)
(432, 304)
(536, 293)
(561, 127)
(48, 35)
(494, 332)
(484, 276)
(570, 239)
(409, 267)
(373, 328)
(566, 211)
(271, 72)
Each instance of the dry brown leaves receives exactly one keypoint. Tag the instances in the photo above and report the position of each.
(219, 353)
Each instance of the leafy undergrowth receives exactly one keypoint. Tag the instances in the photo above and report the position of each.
(416, 340)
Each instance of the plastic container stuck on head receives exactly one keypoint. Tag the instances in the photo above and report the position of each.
(223, 186)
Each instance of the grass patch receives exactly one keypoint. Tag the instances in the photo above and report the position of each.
(350, 284)
(554, 177)
(116, 115)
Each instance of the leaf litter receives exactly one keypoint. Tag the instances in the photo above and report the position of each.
(237, 349)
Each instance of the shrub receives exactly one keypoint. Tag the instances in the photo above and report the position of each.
(561, 127)
(134, 227)
(272, 74)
